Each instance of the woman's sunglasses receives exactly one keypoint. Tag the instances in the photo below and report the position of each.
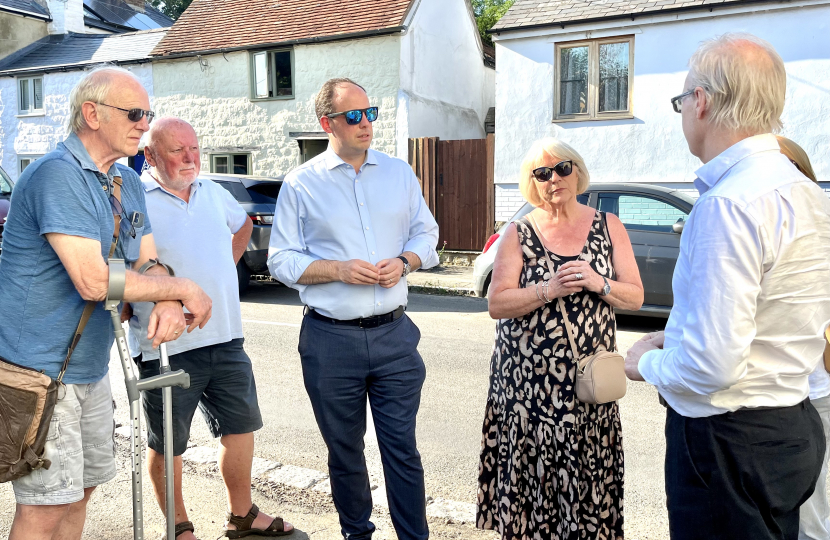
(355, 116)
(563, 168)
(134, 115)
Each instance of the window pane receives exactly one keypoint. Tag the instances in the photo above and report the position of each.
(261, 75)
(282, 73)
(240, 164)
(613, 77)
(220, 164)
(642, 213)
(24, 162)
(38, 93)
(24, 95)
(573, 80)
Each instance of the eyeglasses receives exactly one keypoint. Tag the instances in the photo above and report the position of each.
(355, 116)
(563, 168)
(134, 115)
(677, 100)
(118, 210)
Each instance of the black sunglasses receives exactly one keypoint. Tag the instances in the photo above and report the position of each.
(677, 101)
(563, 168)
(134, 115)
(118, 210)
(355, 116)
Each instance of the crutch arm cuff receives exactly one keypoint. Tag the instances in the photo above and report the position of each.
(155, 262)
(117, 281)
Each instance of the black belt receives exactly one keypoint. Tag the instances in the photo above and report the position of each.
(363, 322)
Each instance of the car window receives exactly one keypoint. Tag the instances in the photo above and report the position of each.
(265, 193)
(5, 183)
(237, 190)
(641, 213)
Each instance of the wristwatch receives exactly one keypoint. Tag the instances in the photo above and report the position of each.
(605, 290)
(406, 267)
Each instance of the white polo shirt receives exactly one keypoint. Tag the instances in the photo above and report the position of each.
(195, 239)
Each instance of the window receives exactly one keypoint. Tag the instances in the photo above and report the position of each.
(593, 79)
(5, 183)
(230, 163)
(642, 213)
(25, 161)
(272, 74)
(30, 95)
(310, 148)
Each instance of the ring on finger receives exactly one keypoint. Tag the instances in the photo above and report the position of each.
(578, 276)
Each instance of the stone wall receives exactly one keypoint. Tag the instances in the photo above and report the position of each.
(16, 32)
(213, 93)
(38, 134)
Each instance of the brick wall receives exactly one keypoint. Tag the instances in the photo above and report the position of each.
(508, 200)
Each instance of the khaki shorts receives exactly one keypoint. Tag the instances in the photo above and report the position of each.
(80, 444)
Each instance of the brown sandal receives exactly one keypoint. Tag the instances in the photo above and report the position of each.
(243, 525)
(184, 526)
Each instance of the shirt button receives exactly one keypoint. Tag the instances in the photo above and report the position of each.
(378, 303)
(373, 253)
(361, 204)
(367, 228)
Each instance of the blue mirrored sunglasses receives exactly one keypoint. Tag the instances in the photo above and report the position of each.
(355, 116)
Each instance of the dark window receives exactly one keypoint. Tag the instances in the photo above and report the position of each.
(237, 190)
(272, 74)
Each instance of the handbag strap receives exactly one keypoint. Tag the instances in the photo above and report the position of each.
(559, 300)
(90, 305)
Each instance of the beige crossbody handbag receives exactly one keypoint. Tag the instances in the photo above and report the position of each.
(600, 377)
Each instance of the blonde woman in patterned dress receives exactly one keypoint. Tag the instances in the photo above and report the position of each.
(552, 466)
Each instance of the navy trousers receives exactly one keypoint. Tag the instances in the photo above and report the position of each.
(342, 367)
(742, 474)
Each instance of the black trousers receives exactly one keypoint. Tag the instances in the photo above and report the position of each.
(741, 475)
(343, 366)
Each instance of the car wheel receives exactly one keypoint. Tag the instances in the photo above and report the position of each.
(243, 276)
(486, 286)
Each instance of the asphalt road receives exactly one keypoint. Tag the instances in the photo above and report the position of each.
(457, 339)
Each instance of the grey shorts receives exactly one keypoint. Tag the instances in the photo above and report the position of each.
(80, 444)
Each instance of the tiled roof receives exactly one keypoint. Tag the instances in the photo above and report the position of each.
(529, 13)
(224, 24)
(80, 50)
(28, 6)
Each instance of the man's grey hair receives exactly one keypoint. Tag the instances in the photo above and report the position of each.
(745, 82)
(95, 87)
(324, 103)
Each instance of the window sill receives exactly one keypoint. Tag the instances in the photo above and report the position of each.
(278, 98)
(594, 119)
(30, 115)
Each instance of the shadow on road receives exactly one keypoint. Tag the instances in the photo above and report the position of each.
(634, 323)
(271, 293)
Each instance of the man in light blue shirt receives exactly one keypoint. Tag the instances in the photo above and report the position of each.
(349, 226)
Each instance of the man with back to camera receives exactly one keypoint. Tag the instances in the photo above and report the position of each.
(55, 247)
(349, 225)
(744, 445)
(202, 231)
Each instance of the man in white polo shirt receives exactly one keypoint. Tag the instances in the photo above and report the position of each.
(201, 232)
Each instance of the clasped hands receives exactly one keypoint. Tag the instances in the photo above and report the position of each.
(387, 273)
(649, 342)
(573, 277)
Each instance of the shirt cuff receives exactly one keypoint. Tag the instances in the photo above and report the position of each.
(648, 366)
(427, 254)
(291, 268)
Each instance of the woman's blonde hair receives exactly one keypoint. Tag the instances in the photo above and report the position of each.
(542, 152)
(745, 81)
(798, 156)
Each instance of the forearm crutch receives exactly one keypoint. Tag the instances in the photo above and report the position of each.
(165, 380)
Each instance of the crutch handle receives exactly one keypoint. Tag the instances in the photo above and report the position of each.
(172, 378)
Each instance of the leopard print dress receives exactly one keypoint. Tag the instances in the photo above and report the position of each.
(551, 466)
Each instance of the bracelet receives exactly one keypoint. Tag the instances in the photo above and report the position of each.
(537, 292)
(545, 292)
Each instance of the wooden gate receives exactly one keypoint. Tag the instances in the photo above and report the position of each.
(456, 179)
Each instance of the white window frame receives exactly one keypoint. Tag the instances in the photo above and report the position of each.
(230, 156)
(593, 81)
(30, 95)
(28, 158)
(271, 82)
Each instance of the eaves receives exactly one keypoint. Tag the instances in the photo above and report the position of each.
(302, 41)
(66, 67)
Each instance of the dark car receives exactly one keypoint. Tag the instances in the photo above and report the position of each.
(258, 196)
(6, 186)
(654, 218)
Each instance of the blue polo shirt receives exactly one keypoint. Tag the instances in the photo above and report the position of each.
(62, 192)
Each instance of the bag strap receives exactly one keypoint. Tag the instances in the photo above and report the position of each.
(559, 300)
(90, 305)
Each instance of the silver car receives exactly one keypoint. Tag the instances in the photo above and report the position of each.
(654, 218)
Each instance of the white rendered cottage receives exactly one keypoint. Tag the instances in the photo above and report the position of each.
(599, 74)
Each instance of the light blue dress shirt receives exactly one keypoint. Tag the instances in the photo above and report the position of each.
(326, 211)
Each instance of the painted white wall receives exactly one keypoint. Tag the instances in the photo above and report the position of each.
(651, 147)
(67, 16)
(35, 135)
(445, 87)
(215, 98)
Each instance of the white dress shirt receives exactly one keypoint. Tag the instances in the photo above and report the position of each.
(327, 211)
(751, 287)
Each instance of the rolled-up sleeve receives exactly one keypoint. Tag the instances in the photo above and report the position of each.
(423, 229)
(288, 255)
(726, 264)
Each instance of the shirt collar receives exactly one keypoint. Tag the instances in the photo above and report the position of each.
(77, 148)
(333, 160)
(711, 173)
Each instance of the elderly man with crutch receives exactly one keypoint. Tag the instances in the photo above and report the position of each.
(55, 250)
